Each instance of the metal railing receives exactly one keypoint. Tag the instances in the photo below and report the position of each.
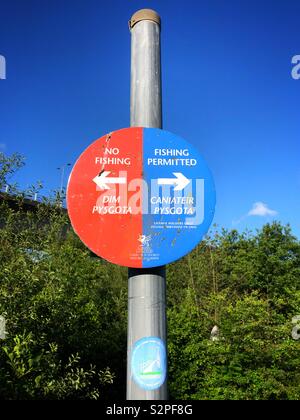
(33, 197)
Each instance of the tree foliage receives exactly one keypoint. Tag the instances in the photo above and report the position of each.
(248, 285)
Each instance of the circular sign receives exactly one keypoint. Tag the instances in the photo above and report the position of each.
(141, 197)
(148, 363)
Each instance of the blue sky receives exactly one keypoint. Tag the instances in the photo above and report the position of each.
(227, 89)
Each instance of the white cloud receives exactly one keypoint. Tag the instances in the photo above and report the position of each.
(261, 209)
(258, 209)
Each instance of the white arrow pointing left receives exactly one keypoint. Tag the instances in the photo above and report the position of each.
(102, 180)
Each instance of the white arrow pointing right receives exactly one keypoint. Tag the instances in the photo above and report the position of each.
(180, 181)
(102, 180)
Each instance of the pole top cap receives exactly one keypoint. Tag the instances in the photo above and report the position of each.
(144, 14)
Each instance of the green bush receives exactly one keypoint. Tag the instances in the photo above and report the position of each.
(65, 311)
(247, 285)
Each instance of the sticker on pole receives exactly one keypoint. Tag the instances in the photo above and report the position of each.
(148, 363)
(141, 197)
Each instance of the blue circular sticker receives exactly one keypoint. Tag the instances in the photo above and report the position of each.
(148, 363)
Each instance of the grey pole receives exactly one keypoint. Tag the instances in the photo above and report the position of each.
(62, 179)
(62, 168)
(146, 287)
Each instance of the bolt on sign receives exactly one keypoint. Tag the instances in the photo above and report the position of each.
(141, 197)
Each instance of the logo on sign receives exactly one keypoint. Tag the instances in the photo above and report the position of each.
(145, 247)
(144, 240)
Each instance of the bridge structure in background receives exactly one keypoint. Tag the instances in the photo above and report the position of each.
(30, 202)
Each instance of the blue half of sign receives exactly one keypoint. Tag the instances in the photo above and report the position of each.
(148, 363)
(180, 195)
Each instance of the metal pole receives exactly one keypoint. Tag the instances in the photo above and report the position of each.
(146, 287)
(62, 168)
(62, 179)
